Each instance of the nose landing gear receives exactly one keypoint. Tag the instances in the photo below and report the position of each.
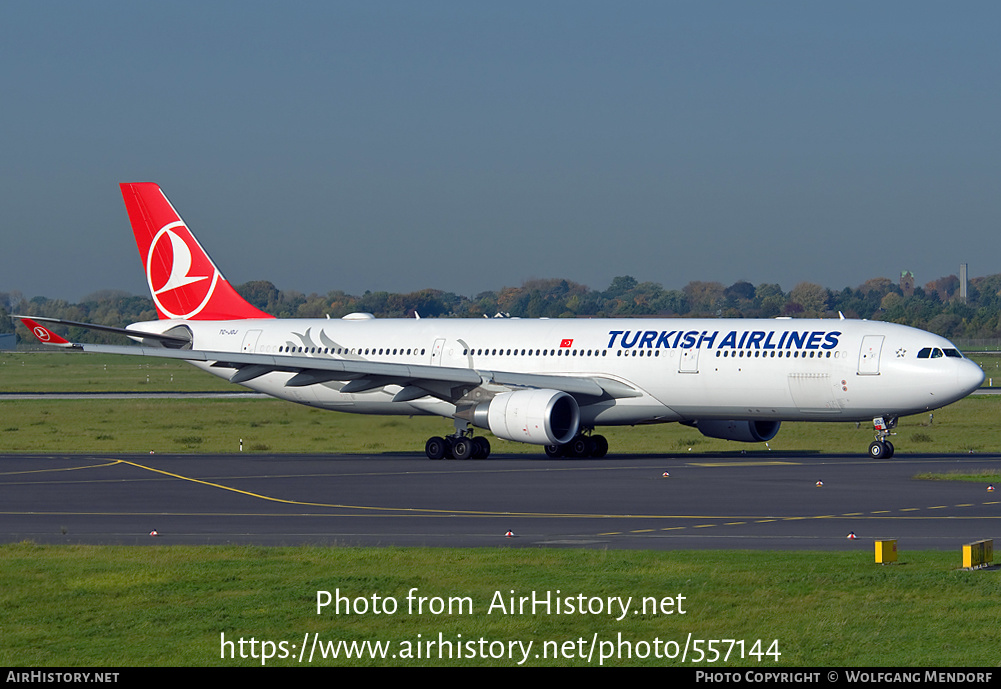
(881, 448)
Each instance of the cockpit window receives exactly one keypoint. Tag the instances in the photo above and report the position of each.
(936, 353)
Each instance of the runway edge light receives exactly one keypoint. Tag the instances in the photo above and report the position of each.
(886, 551)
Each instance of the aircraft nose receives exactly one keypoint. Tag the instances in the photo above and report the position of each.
(970, 376)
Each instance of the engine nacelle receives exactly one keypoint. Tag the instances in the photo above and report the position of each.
(744, 431)
(539, 417)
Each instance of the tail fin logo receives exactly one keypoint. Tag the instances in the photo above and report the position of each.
(43, 334)
(180, 274)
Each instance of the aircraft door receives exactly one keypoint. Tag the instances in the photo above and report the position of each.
(250, 341)
(689, 361)
(868, 359)
(454, 353)
(436, 351)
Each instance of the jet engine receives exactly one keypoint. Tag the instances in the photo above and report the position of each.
(744, 431)
(539, 417)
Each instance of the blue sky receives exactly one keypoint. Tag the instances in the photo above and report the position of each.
(467, 146)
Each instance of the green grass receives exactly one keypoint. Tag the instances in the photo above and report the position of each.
(76, 372)
(983, 476)
(991, 363)
(274, 426)
(121, 606)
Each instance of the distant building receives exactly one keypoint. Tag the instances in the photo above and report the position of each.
(962, 282)
(907, 283)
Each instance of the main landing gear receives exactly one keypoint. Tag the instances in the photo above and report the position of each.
(581, 446)
(881, 448)
(461, 445)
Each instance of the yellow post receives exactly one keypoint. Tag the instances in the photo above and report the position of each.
(886, 551)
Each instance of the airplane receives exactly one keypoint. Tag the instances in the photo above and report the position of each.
(548, 382)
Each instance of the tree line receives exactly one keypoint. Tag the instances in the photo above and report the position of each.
(936, 307)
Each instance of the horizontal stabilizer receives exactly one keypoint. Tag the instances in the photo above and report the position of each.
(167, 339)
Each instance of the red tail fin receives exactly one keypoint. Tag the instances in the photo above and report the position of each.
(183, 280)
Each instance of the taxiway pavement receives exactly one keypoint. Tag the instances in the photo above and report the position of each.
(733, 501)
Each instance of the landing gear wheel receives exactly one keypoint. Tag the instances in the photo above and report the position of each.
(599, 446)
(481, 447)
(554, 451)
(435, 448)
(462, 448)
(879, 450)
(889, 449)
(579, 447)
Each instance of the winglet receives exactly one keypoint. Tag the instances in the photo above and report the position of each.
(44, 335)
(183, 280)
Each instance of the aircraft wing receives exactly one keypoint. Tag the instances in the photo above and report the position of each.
(417, 380)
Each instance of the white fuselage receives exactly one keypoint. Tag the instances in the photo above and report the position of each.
(676, 369)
